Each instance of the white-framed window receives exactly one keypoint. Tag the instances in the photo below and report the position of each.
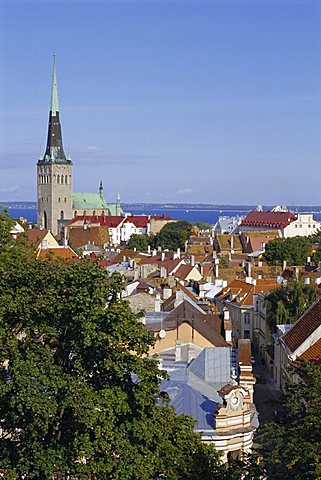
(247, 317)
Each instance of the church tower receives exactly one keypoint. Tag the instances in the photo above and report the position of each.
(54, 171)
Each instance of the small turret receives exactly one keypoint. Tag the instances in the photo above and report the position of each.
(101, 189)
(118, 207)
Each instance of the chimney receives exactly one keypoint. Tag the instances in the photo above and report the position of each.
(192, 260)
(201, 269)
(157, 303)
(179, 298)
(296, 272)
(248, 269)
(148, 249)
(307, 281)
(178, 253)
(163, 272)
(216, 264)
(178, 351)
(308, 260)
(163, 256)
(232, 242)
(154, 253)
(167, 292)
(284, 265)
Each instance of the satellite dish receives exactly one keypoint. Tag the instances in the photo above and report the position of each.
(162, 334)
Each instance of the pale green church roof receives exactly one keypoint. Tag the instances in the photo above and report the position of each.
(81, 201)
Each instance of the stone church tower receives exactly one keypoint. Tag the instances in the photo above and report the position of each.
(54, 172)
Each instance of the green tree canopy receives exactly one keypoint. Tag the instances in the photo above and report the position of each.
(294, 250)
(140, 242)
(290, 444)
(172, 235)
(6, 224)
(79, 398)
(286, 303)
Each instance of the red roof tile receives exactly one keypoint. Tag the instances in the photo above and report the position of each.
(268, 219)
(309, 321)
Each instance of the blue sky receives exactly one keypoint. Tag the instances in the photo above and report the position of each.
(166, 101)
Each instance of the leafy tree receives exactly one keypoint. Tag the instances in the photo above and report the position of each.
(79, 398)
(172, 235)
(317, 256)
(203, 225)
(294, 250)
(286, 303)
(6, 224)
(290, 444)
(140, 242)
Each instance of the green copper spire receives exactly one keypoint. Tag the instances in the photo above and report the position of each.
(54, 103)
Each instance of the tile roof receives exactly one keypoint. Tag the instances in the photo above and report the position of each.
(183, 271)
(241, 293)
(309, 321)
(35, 235)
(110, 221)
(186, 312)
(268, 219)
(80, 236)
(140, 221)
(244, 352)
(65, 253)
(313, 353)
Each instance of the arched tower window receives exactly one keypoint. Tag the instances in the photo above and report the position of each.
(62, 179)
(45, 220)
(94, 212)
(62, 215)
(58, 178)
(75, 213)
(48, 179)
(66, 179)
(103, 213)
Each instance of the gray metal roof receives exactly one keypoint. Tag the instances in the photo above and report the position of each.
(187, 400)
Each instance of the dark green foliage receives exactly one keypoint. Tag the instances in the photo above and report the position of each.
(317, 256)
(140, 242)
(172, 235)
(68, 349)
(294, 250)
(202, 225)
(6, 224)
(286, 303)
(290, 444)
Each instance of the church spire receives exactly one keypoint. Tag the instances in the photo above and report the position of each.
(54, 149)
(54, 102)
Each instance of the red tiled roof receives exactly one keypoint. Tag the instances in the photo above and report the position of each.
(240, 292)
(268, 219)
(35, 235)
(110, 221)
(183, 271)
(57, 252)
(309, 321)
(313, 354)
(140, 221)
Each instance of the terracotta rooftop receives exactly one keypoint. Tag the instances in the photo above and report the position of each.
(80, 236)
(313, 354)
(65, 253)
(309, 321)
(183, 271)
(241, 293)
(268, 219)
(35, 235)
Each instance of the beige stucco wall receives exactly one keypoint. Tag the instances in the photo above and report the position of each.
(185, 335)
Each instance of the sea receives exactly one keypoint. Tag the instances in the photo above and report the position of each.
(191, 212)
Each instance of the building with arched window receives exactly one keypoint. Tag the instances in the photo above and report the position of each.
(54, 179)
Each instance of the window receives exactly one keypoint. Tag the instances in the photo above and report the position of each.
(65, 200)
(247, 334)
(58, 178)
(62, 179)
(75, 213)
(246, 318)
(66, 179)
